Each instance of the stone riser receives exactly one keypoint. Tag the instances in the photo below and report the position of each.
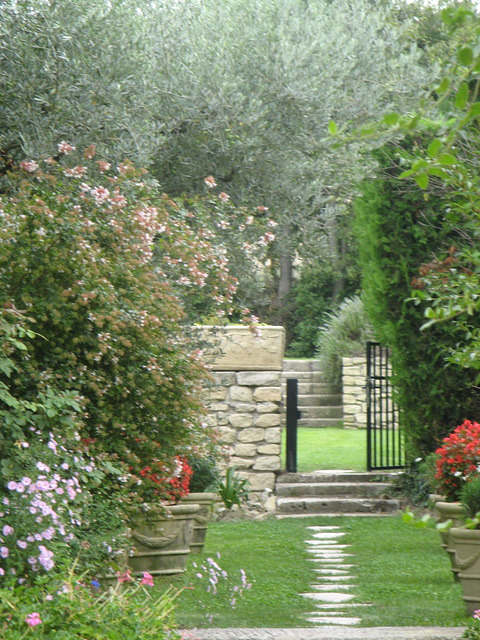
(320, 400)
(313, 413)
(319, 423)
(335, 505)
(349, 476)
(361, 490)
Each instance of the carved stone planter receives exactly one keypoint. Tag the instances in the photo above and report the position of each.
(466, 543)
(162, 543)
(202, 517)
(449, 511)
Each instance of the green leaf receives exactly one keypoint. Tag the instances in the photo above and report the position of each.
(462, 96)
(443, 86)
(447, 159)
(407, 173)
(332, 127)
(422, 180)
(474, 110)
(391, 119)
(437, 171)
(407, 516)
(434, 147)
(465, 56)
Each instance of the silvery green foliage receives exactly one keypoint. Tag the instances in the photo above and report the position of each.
(76, 70)
(242, 90)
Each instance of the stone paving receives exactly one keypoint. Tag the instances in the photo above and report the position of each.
(326, 633)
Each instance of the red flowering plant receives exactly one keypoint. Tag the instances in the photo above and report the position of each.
(458, 460)
(172, 484)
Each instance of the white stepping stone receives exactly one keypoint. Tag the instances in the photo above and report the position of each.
(329, 587)
(327, 560)
(332, 572)
(335, 620)
(335, 578)
(324, 528)
(329, 597)
(326, 545)
(343, 605)
(333, 535)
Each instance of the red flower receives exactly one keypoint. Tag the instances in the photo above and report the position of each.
(458, 459)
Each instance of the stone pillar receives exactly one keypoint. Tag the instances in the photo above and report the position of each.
(244, 403)
(354, 377)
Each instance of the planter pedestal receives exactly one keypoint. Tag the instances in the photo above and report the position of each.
(466, 543)
(162, 543)
(449, 511)
(202, 517)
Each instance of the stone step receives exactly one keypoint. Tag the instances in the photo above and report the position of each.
(316, 377)
(319, 423)
(315, 413)
(335, 505)
(338, 476)
(318, 388)
(320, 400)
(296, 365)
(352, 489)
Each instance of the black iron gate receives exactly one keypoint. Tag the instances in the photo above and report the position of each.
(384, 437)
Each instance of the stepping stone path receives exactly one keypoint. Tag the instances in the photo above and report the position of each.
(332, 595)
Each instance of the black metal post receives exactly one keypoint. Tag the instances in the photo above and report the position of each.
(293, 414)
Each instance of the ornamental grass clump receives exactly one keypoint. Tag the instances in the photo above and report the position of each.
(458, 460)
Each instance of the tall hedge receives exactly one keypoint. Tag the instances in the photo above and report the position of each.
(398, 227)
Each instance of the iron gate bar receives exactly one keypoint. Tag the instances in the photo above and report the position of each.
(292, 416)
(384, 437)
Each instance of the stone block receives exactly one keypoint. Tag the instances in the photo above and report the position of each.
(245, 463)
(267, 394)
(218, 406)
(241, 394)
(247, 450)
(222, 419)
(273, 435)
(267, 420)
(241, 420)
(269, 449)
(243, 407)
(251, 435)
(259, 378)
(234, 348)
(260, 481)
(224, 378)
(268, 407)
(267, 463)
(227, 435)
(211, 420)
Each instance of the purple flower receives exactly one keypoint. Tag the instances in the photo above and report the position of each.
(22, 544)
(4, 552)
(95, 584)
(7, 530)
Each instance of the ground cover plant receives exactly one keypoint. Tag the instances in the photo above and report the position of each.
(401, 571)
(329, 448)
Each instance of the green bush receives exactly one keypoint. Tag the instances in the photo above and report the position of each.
(344, 334)
(399, 227)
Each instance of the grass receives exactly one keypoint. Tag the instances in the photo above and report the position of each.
(329, 448)
(401, 571)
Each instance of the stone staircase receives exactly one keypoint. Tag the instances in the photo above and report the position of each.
(319, 402)
(329, 493)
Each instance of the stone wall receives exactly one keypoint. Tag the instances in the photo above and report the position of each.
(354, 377)
(244, 404)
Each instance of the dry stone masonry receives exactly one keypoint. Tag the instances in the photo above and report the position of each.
(244, 403)
(354, 376)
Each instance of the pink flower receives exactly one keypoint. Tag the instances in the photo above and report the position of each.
(4, 552)
(103, 166)
(147, 580)
(124, 577)
(65, 147)
(22, 544)
(7, 530)
(210, 181)
(224, 197)
(29, 165)
(33, 619)
(476, 614)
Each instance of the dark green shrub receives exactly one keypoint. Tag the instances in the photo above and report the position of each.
(470, 497)
(399, 227)
(205, 474)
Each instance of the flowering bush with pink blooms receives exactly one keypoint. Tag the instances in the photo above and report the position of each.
(98, 260)
(458, 460)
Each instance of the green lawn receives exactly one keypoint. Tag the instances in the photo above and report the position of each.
(329, 448)
(401, 571)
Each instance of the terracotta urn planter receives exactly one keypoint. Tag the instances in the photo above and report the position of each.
(202, 517)
(449, 511)
(162, 542)
(466, 543)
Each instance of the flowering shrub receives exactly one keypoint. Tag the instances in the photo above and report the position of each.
(97, 259)
(458, 459)
(72, 605)
(472, 632)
